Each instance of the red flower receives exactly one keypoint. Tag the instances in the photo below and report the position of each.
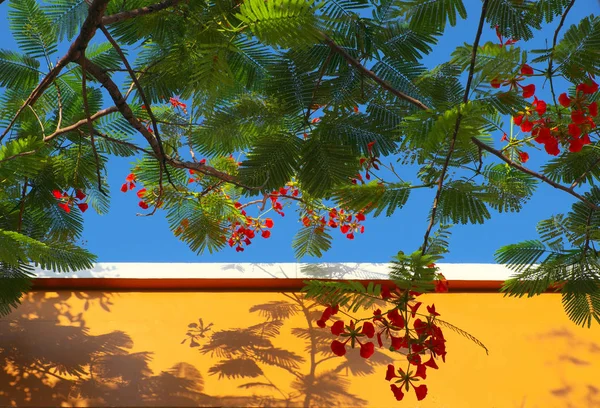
(526, 70)
(540, 106)
(431, 310)
(397, 392)
(564, 100)
(367, 349)
(143, 205)
(421, 391)
(80, 195)
(57, 194)
(360, 217)
(82, 206)
(588, 88)
(338, 348)
(524, 156)
(578, 117)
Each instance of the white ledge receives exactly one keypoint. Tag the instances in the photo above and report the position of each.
(472, 272)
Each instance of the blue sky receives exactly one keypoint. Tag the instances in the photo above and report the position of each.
(121, 236)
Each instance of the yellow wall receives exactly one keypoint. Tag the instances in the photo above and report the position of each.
(124, 349)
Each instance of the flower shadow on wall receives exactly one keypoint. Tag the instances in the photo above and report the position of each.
(246, 352)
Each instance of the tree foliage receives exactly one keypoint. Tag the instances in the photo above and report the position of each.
(232, 109)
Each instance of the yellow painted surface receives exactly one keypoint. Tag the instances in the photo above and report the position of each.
(125, 349)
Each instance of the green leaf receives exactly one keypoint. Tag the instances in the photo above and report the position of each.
(311, 241)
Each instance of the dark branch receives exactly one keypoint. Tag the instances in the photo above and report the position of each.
(551, 59)
(126, 15)
(459, 118)
(88, 29)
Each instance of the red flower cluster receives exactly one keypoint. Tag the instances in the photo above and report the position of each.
(347, 223)
(369, 162)
(67, 201)
(243, 234)
(290, 189)
(514, 82)
(402, 328)
(551, 134)
(176, 103)
(130, 185)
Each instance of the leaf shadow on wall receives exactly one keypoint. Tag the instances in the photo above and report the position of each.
(49, 357)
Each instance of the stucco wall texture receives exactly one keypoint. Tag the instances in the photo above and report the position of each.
(263, 349)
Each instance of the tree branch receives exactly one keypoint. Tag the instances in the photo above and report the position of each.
(533, 173)
(122, 106)
(88, 29)
(354, 62)
(126, 15)
(459, 118)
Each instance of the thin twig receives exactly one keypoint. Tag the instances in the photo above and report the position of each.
(60, 107)
(459, 118)
(533, 173)
(90, 124)
(39, 121)
(22, 210)
(551, 59)
(354, 62)
(584, 175)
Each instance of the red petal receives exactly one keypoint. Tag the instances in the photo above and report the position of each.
(390, 373)
(526, 70)
(143, 205)
(431, 310)
(540, 107)
(83, 207)
(578, 117)
(593, 109)
(421, 371)
(421, 391)
(141, 193)
(356, 109)
(130, 178)
(367, 350)
(65, 207)
(80, 195)
(551, 147)
(431, 363)
(360, 217)
(239, 249)
(574, 130)
(337, 328)
(268, 223)
(203, 161)
(564, 100)
(131, 186)
(397, 392)
(576, 145)
(350, 236)
(344, 229)
(396, 318)
(495, 83)
(124, 188)
(368, 329)
(414, 308)
(338, 348)
(57, 194)
(518, 120)
(528, 91)
(526, 126)
(266, 234)
(585, 139)
(524, 156)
